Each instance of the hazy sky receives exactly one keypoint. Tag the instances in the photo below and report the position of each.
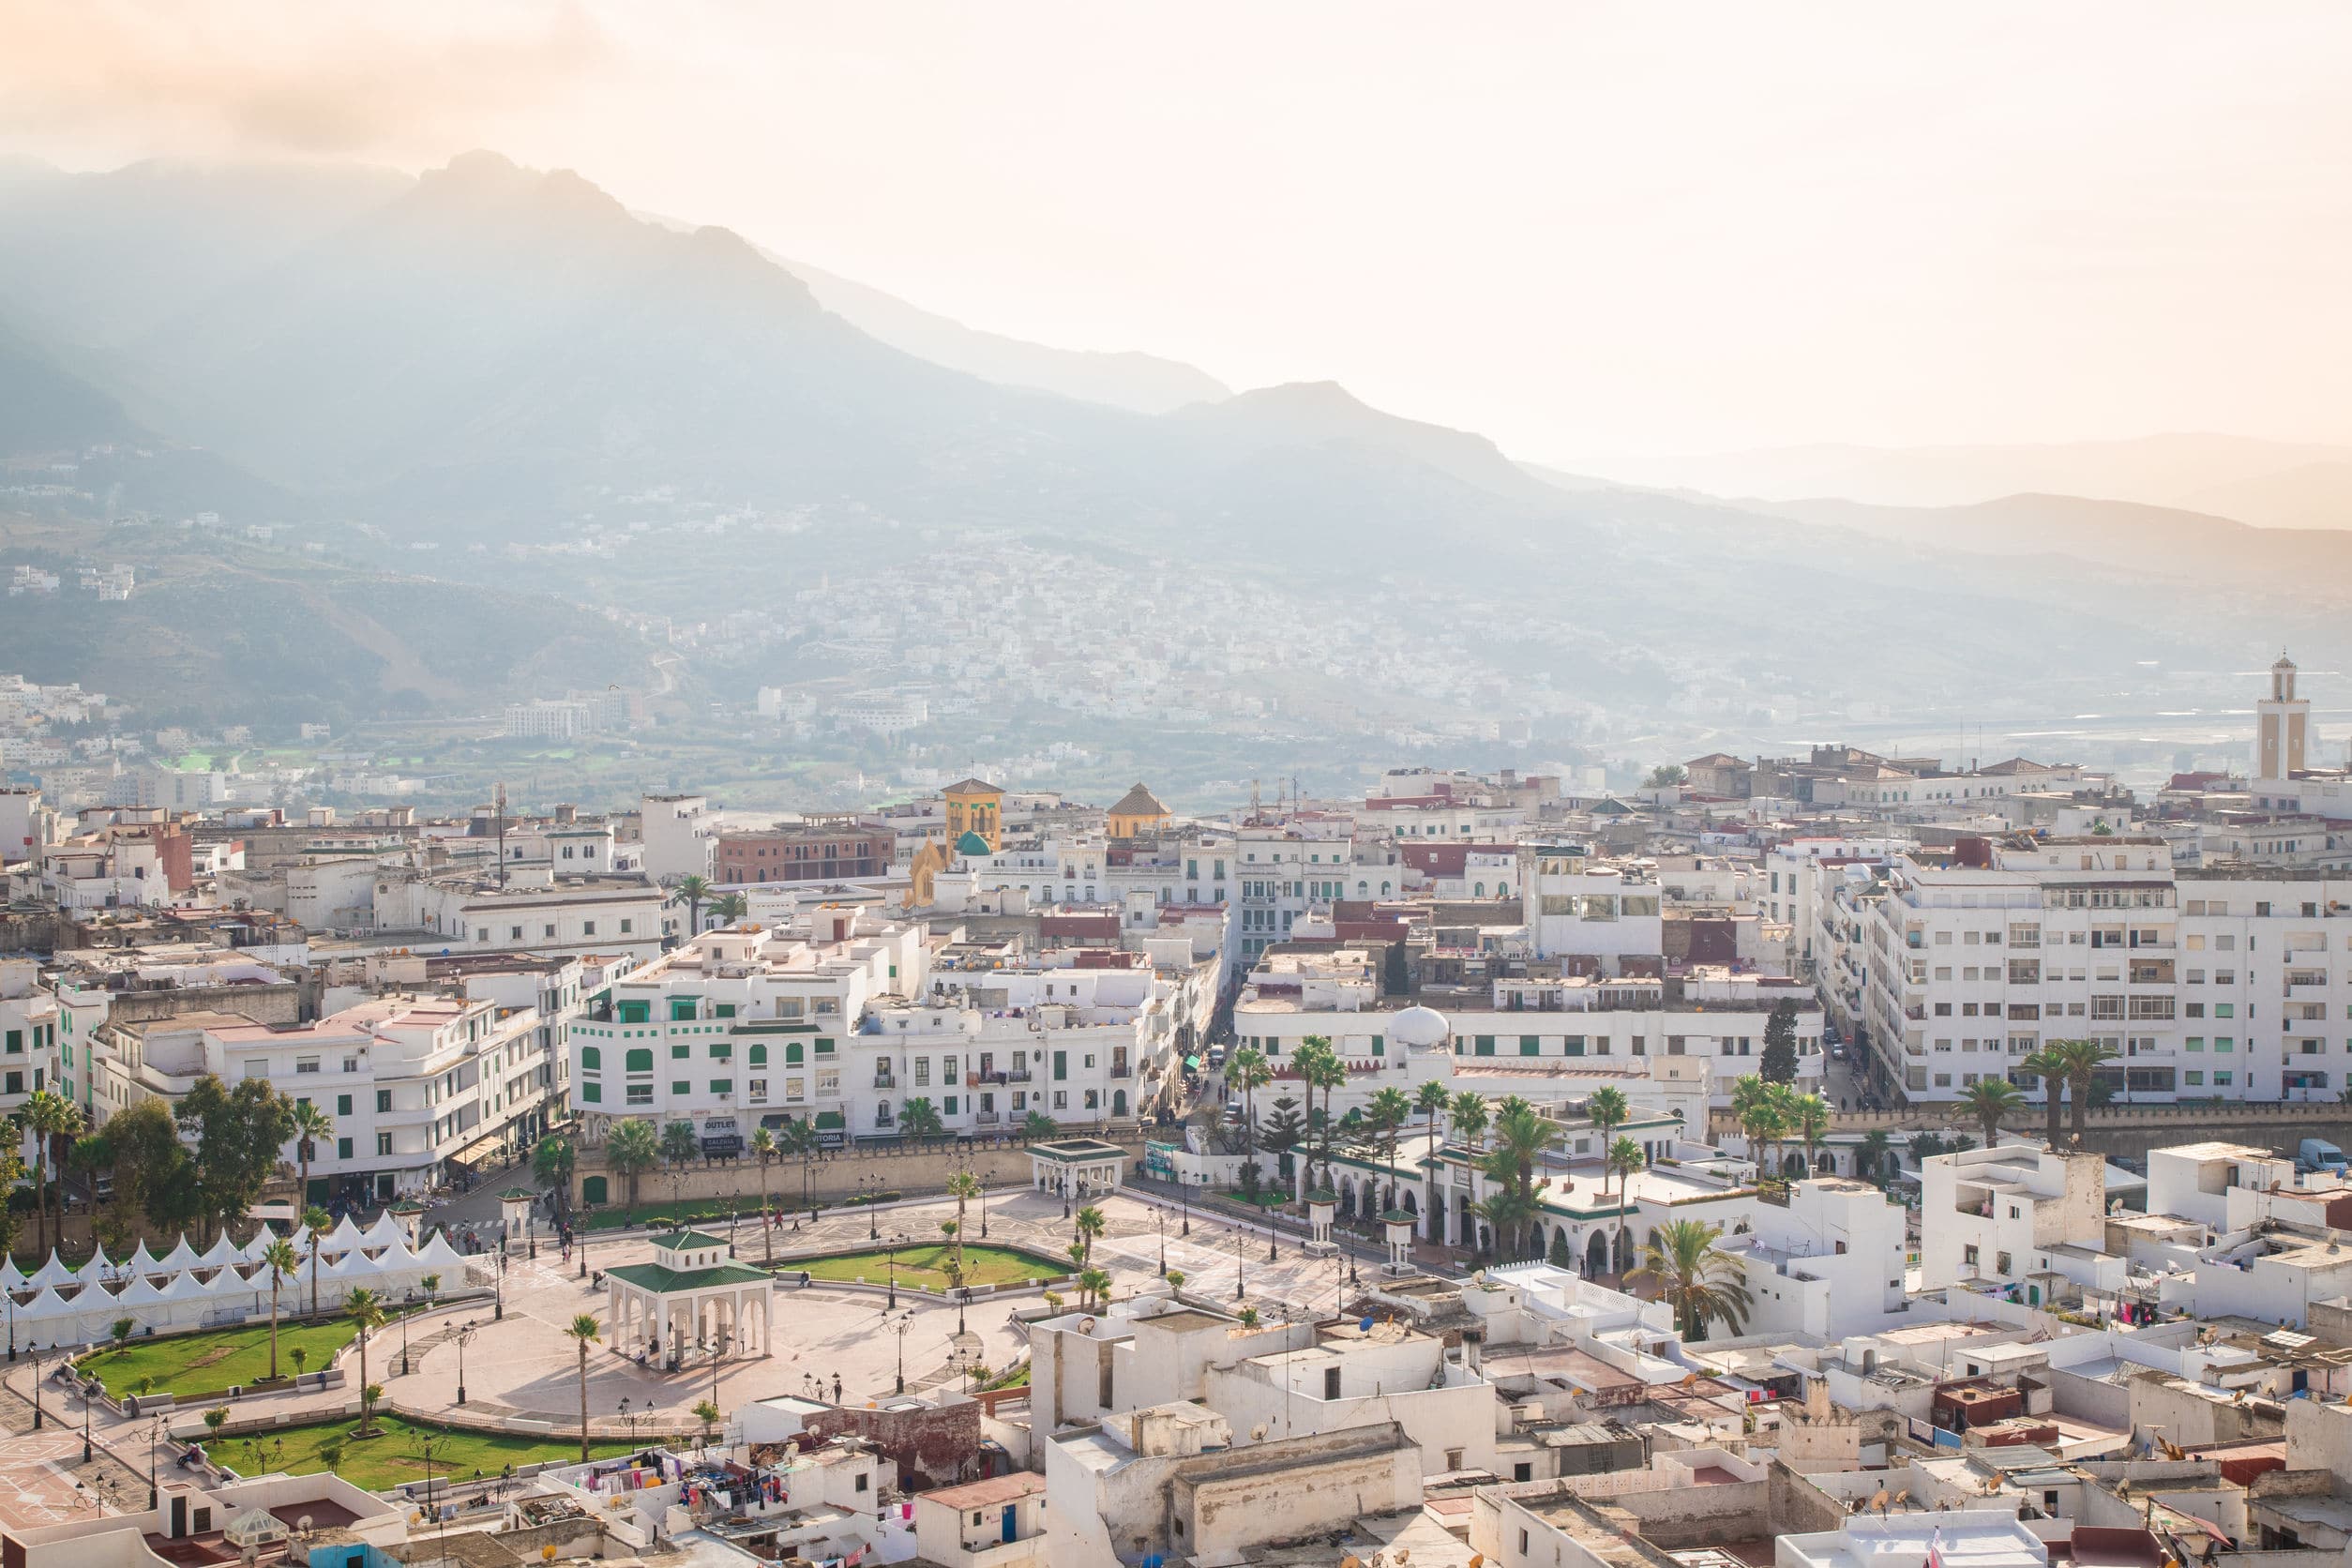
(1583, 230)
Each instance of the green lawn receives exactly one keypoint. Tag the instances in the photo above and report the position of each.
(215, 1360)
(926, 1266)
(699, 1213)
(398, 1452)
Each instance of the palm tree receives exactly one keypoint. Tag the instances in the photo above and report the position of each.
(680, 1148)
(1810, 1121)
(1607, 1112)
(584, 1332)
(278, 1258)
(364, 1307)
(1387, 1113)
(1986, 1101)
(1091, 1224)
(49, 1116)
(1037, 1126)
(918, 1119)
(728, 907)
(800, 1139)
(1625, 1157)
(311, 1128)
(691, 892)
(2049, 1066)
(1247, 1070)
(1320, 1067)
(553, 1162)
(763, 1149)
(1468, 1112)
(630, 1149)
(1094, 1286)
(963, 1186)
(1701, 1281)
(2084, 1058)
(314, 1222)
(1505, 1213)
(1521, 1134)
(1752, 1105)
(1875, 1155)
(1431, 1099)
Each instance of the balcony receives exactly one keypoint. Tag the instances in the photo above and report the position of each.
(1018, 1075)
(885, 1080)
(984, 1118)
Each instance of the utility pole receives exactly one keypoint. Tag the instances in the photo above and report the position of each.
(498, 798)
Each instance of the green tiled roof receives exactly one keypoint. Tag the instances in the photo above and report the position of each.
(680, 1241)
(662, 1282)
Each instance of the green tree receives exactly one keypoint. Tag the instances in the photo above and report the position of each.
(763, 1152)
(1665, 776)
(728, 907)
(239, 1132)
(1091, 1225)
(707, 1414)
(553, 1162)
(48, 1116)
(214, 1419)
(1702, 1282)
(1809, 1123)
(312, 1127)
(1875, 1158)
(1285, 1127)
(800, 1141)
(679, 1146)
(2048, 1065)
(280, 1261)
(583, 1331)
(1247, 1071)
(2083, 1058)
(963, 1186)
(1386, 1114)
(153, 1172)
(1779, 1062)
(1522, 1133)
(1758, 1113)
(300, 1356)
(315, 1220)
(1094, 1287)
(1625, 1157)
(1468, 1115)
(1607, 1112)
(1319, 1067)
(1987, 1101)
(630, 1149)
(364, 1307)
(919, 1119)
(1037, 1127)
(691, 892)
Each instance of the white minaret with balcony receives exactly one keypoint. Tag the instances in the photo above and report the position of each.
(2283, 727)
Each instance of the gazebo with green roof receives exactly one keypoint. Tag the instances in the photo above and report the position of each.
(692, 1297)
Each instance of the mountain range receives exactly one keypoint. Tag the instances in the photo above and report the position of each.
(489, 356)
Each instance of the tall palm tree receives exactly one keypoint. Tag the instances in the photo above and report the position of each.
(800, 1140)
(1875, 1157)
(315, 1220)
(1468, 1113)
(278, 1258)
(1701, 1281)
(1810, 1121)
(1506, 1214)
(1387, 1113)
(1247, 1070)
(1091, 1224)
(1320, 1067)
(311, 1128)
(1431, 1099)
(763, 1151)
(728, 907)
(584, 1332)
(49, 1116)
(919, 1119)
(365, 1309)
(2084, 1058)
(1522, 1133)
(963, 1186)
(1624, 1157)
(691, 892)
(630, 1149)
(1607, 1112)
(1754, 1107)
(2049, 1066)
(553, 1162)
(1986, 1101)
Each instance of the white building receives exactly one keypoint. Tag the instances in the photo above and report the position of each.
(1828, 1263)
(2012, 1215)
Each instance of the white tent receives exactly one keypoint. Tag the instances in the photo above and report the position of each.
(438, 1255)
(47, 1321)
(385, 1231)
(52, 1273)
(183, 1302)
(179, 1258)
(11, 1278)
(300, 1237)
(143, 1262)
(140, 1292)
(344, 1238)
(258, 1243)
(100, 1266)
(223, 1253)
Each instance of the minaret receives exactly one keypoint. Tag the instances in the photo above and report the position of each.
(2283, 726)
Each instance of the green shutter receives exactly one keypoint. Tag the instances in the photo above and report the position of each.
(591, 1094)
(1061, 1065)
(1486, 1045)
(1529, 1044)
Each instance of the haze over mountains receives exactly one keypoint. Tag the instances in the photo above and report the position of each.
(496, 359)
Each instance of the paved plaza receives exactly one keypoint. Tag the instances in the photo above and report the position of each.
(523, 1365)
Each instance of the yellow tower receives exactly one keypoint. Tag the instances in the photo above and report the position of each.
(975, 807)
(1138, 812)
(2281, 726)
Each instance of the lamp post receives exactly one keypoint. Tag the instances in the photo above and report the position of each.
(892, 1253)
(154, 1430)
(579, 1245)
(465, 1335)
(1239, 1236)
(403, 1343)
(873, 1208)
(12, 1328)
(906, 1321)
(629, 1415)
(1159, 1217)
(984, 1214)
(89, 1400)
(1183, 1194)
(498, 1305)
(36, 1388)
(718, 1353)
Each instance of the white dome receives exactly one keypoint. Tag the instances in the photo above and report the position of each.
(1419, 1028)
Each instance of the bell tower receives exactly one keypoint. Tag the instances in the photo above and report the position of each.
(2283, 726)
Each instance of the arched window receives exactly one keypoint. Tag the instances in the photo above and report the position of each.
(1363, 888)
(1478, 890)
(1384, 890)
(640, 1061)
(591, 1059)
(759, 1055)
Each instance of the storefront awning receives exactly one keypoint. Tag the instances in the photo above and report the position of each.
(1192, 1063)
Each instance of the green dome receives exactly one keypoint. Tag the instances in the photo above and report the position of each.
(972, 844)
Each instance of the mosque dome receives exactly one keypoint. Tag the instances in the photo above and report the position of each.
(1419, 1029)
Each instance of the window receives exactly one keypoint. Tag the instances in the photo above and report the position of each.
(343, 1105)
(591, 1059)
(641, 1094)
(625, 926)
(383, 1143)
(591, 1094)
(588, 928)
(681, 1086)
(383, 1099)
(722, 1086)
(639, 1060)
(681, 1053)
(342, 1148)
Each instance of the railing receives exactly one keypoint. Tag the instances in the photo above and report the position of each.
(884, 1080)
(1018, 1075)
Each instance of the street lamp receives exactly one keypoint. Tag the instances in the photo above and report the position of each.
(154, 1430)
(1159, 1217)
(403, 1343)
(1239, 1236)
(89, 1400)
(718, 1353)
(1183, 1193)
(892, 1304)
(873, 1210)
(464, 1338)
(629, 1415)
(36, 1388)
(499, 1289)
(906, 1321)
(11, 1327)
(984, 1215)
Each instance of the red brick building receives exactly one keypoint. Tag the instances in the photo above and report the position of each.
(805, 854)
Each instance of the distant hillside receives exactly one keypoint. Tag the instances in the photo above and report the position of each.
(44, 407)
(1141, 382)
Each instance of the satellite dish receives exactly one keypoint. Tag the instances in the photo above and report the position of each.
(1351, 1562)
(1086, 1325)
(1478, 1559)
(1258, 1433)
(1401, 1555)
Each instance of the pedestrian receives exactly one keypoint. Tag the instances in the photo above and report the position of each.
(837, 1388)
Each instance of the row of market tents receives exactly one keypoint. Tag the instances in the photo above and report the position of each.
(57, 1304)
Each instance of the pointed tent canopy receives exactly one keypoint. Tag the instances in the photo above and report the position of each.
(385, 1231)
(11, 1278)
(47, 1304)
(139, 1292)
(100, 1266)
(183, 1288)
(54, 1273)
(259, 1243)
(300, 1238)
(439, 1254)
(223, 1253)
(342, 1239)
(354, 1267)
(143, 1262)
(180, 1258)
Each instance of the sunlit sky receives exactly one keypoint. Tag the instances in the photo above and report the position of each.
(1583, 230)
